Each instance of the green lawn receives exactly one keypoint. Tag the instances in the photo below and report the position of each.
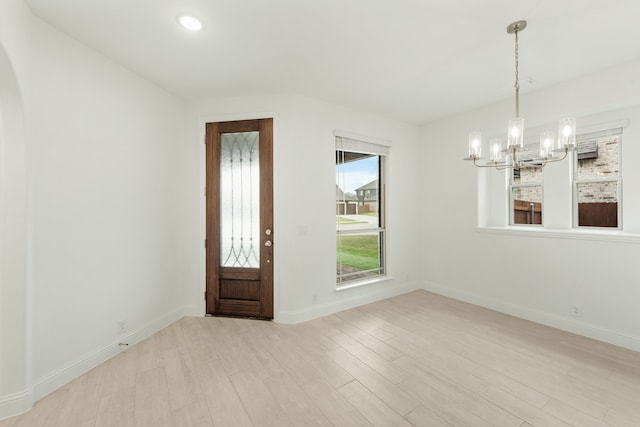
(343, 220)
(360, 252)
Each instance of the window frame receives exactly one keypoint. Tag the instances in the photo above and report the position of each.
(349, 144)
(512, 185)
(610, 132)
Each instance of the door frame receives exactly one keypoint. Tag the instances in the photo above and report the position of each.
(202, 125)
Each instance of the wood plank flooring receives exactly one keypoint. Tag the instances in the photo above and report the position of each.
(418, 359)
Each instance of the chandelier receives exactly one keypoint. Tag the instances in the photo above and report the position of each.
(513, 156)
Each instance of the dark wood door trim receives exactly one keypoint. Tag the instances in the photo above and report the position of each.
(266, 217)
(212, 221)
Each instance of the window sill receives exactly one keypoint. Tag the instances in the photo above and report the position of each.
(363, 282)
(575, 234)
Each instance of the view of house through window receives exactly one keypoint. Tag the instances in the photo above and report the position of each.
(526, 194)
(360, 231)
(598, 179)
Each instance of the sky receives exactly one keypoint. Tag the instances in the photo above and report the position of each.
(352, 175)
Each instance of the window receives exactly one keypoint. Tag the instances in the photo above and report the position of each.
(597, 180)
(525, 192)
(360, 207)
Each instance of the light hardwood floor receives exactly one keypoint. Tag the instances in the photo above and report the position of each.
(417, 359)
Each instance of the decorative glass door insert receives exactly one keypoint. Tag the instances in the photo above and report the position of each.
(239, 200)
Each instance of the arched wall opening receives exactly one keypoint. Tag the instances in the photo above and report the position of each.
(15, 395)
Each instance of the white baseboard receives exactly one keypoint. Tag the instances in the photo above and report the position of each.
(56, 379)
(15, 404)
(363, 296)
(194, 310)
(549, 319)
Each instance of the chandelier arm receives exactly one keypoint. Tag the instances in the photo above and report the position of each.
(564, 156)
(542, 162)
(558, 159)
(489, 165)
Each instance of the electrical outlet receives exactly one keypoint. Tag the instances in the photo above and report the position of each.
(122, 327)
(576, 311)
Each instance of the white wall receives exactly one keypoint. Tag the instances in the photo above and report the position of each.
(104, 180)
(13, 318)
(105, 145)
(14, 363)
(538, 274)
(304, 229)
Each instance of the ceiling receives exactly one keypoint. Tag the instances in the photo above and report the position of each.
(412, 60)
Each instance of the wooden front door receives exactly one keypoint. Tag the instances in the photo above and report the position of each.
(239, 246)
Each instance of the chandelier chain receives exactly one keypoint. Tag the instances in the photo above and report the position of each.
(517, 85)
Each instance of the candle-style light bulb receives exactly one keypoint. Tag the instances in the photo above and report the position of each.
(475, 145)
(496, 150)
(515, 133)
(546, 144)
(566, 133)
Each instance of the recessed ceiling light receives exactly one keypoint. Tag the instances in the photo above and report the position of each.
(190, 23)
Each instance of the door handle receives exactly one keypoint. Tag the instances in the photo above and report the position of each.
(268, 243)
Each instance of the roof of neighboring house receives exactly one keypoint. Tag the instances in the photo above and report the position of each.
(341, 195)
(373, 185)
